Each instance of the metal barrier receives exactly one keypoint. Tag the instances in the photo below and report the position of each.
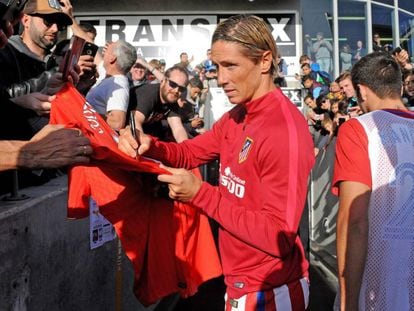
(14, 194)
(47, 263)
(323, 208)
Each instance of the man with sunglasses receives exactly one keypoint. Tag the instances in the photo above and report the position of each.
(154, 105)
(26, 66)
(42, 150)
(26, 62)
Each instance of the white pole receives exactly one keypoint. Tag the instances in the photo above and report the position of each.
(335, 37)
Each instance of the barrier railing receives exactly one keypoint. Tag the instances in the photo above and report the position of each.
(323, 208)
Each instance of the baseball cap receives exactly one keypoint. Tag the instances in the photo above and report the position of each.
(45, 7)
(211, 68)
(315, 67)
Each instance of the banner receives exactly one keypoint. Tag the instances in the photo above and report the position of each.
(166, 36)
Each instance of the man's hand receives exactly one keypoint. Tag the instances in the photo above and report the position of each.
(40, 103)
(6, 31)
(141, 60)
(87, 65)
(129, 144)
(183, 184)
(403, 58)
(107, 43)
(67, 8)
(55, 146)
(354, 112)
(86, 82)
(311, 115)
(55, 82)
(197, 123)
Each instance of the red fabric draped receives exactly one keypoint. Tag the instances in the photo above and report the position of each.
(169, 243)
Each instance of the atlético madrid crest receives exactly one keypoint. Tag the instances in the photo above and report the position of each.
(244, 152)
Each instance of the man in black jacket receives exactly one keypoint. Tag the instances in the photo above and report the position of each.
(54, 146)
(26, 63)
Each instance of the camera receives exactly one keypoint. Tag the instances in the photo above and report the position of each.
(11, 9)
(89, 49)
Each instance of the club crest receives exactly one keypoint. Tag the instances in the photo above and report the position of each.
(244, 152)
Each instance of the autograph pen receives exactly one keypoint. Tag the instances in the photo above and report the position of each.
(133, 128)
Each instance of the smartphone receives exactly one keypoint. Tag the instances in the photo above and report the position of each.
(90, 49)
(71, 57)
(11, 9)
(341, 120)
(396, 50)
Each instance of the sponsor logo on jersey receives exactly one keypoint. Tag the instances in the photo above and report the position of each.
(91, 116)
(234, 184)
(244, 152)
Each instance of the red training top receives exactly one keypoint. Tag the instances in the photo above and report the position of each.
(169, 243)
(266, 154)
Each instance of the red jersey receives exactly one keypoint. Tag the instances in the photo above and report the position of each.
(381, 142)
(169, 243)
(355, 165)
(266, 154)
(352, 166)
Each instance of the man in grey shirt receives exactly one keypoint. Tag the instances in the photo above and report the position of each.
(322, 50)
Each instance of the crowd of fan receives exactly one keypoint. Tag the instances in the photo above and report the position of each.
(116, 81)
(330, 102)
(30, 78)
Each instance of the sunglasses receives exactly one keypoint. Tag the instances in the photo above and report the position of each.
(174, 85)
(49, 20)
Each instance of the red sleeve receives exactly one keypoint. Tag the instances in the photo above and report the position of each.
(351, 157)
(190, 153)
(278, 216)
(282, 201)
(284, 198)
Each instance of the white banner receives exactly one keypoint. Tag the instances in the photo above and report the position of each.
(166, 36)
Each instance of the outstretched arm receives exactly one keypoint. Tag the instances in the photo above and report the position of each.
(116, 119)
(273, 217)
(76, 29)
(177, 129)
(54, 146)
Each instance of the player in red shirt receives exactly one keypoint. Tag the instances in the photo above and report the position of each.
(266, 154)
(373, 177)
